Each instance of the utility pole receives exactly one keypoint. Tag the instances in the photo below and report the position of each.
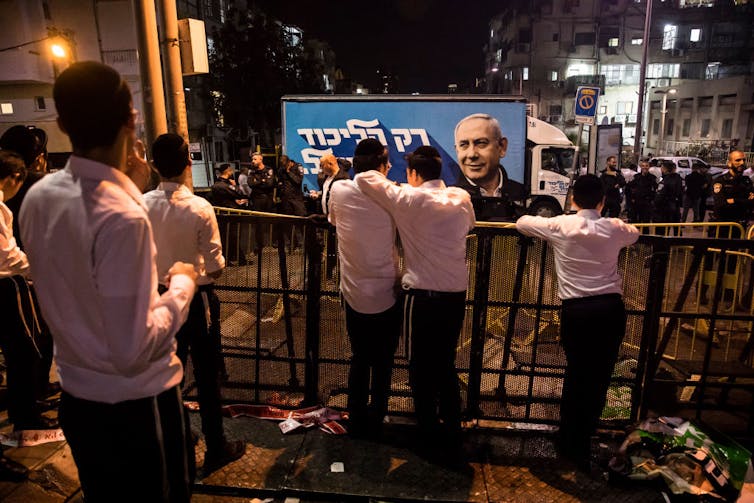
(638, 133)
(171, 53)
(155, 122)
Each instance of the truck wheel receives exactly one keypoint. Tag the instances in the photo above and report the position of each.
(545, 208)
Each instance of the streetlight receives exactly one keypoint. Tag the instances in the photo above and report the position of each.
(663, 112)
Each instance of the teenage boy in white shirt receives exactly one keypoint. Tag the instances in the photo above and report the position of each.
(593, 316)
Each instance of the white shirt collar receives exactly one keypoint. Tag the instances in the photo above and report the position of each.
(94, 170)
(498, 190)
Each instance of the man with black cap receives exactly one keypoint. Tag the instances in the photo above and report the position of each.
(368, 277)
(89, 242)
(433, 221)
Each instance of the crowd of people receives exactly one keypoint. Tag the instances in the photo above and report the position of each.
(124, 281)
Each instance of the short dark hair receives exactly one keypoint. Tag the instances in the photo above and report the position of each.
(588, 191)
(93, 103)
(670, 165)
(426, 161)
(27, 141)
(170, 155)
(11, 163)
(369, 154)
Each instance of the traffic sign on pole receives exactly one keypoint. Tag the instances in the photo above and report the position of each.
(586, 104)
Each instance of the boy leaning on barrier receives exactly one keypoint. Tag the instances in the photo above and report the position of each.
(593, 317)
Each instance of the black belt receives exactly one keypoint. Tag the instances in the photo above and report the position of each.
(591, 298)
(418, 292)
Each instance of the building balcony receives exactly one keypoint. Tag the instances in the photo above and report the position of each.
(574, 82)
(126, 62)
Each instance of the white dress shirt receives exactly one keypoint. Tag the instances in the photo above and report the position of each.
(88, 238)
(184, 227)
(586, 248)
(433, 221)
(12, 260)
(243, 184)
(366, 248)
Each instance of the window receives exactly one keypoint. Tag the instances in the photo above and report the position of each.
(686, 128)
(669, 126)
(555, 37)
(612, 42)
(499, 55)
(39, 103)
(669, 34)
(655, 127)
(637, 41)
(525, 73)
(556, 109)
(663, 70)
(705, 128)
(524, 36)
(553, 75)
(727, 129)
(695, 35)
(586, 38)
(6, 108)
(624, 107)
(603, 109)
(712, 70)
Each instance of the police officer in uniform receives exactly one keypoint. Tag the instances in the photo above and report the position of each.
(733, 195)
(667, 208)
(642, 192)
(262, 183)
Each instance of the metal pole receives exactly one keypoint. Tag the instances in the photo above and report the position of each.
(171, 53)
(663, 112)
(638, 133)
(155, 122)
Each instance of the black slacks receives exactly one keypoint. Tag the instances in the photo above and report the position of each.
(373, 338)
(22, 344)
(434, 321)
(591, 331)
(128, 451)
(200, 337)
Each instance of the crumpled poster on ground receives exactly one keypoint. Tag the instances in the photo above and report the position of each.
(686, 457)
(30, 438)
(323, 417)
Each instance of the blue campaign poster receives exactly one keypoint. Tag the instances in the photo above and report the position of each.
(315, 126)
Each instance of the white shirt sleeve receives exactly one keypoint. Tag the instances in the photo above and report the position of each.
(210, 245)
(530, 225)
(139, 325)
(13, 261)
(384, 192)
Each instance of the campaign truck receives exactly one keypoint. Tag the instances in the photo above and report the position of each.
(538, 155)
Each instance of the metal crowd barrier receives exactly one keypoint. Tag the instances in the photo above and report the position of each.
(284, 340)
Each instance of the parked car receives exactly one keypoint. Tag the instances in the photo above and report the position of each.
(683, 165)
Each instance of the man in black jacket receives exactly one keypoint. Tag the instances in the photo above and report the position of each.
(480, 145)
(224, 192)
(612, 181)
(642, 193)
(669, 195)
(696, 189)
(290, 175)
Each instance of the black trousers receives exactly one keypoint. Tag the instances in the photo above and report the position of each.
(373, 338)
(434, 321)
(21, 341)
(591, 331)
(200, 337)
(128, 451)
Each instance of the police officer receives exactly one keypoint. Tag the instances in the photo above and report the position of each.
(667, 207)
(290, 175)
(733, 193)
(262, 183)
(642, 192)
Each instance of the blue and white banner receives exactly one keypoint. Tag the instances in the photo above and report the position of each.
(318, 126)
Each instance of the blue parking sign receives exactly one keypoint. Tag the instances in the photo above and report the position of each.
(586, 104)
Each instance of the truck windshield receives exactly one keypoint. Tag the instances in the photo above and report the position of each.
(557, 160)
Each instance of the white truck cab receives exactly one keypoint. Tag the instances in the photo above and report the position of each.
(550, 157)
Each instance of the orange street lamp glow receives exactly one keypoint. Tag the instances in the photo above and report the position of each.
(58, 50)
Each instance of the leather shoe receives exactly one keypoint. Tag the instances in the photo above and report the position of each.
(230, 452)
(11, 470)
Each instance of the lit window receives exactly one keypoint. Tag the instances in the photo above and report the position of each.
(637, 41)
(39, 103)
(603, 109)
(612, 42)
(696, 35)
(553, 75)
(6, 108)
(669, 34)
(525, 73)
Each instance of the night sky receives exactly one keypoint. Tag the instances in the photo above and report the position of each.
(427, 43)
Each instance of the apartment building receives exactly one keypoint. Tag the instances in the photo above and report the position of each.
(545, 49)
